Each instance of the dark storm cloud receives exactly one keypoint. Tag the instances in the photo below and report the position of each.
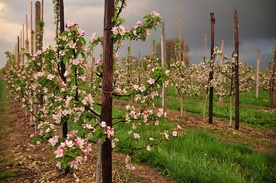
(257, 27)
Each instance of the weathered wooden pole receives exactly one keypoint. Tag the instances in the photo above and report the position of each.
(27, 34)
(32, 31)
(179, 32)
(23, 43)
(211, 74)
(106, 112)
(42, 10)
(37, 27)
(244, 54)
(272, 80)
(164, 64)
(221, 63)
(62, 67)
(258, 72)
(237, 103)
(205, 43)
(18, 53)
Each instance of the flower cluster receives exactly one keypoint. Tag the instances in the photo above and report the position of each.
(45, 131)
(72, 152)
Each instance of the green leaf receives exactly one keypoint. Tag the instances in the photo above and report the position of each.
(71, 154)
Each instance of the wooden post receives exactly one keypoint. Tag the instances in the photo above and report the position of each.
(185, 53)
(42, 11)
(140, 68)
(258, 72)
(272, 80)
(179, 32)
(205, 42)
(20, 46)
(237, 103)
(106, 111)
(27, 34)
(18, 53)
(92, 69)
(211, 74)
(23, 43)
(221, 63)
(32, 38)
(151, 45)
(37, 27)
(164, 64)
(244, 54)
(62, 65)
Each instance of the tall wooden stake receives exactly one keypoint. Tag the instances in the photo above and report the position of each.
(20, 45)
(273, 78)
(211, 74)
(244, 54)
(237, 103)
(185, 53)
(18, 52)
(179, 32)
(23, 37)
(27, 34)
(221, 63)
(205, 42)
(106, 112)
(37, 27)
(62, 68)
(42, 10)
(257, 72)
(163, 55)
(151, 45)
(32, 41)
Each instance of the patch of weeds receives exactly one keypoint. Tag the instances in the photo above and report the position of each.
(7, 176)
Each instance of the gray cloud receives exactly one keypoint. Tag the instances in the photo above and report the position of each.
(257, 28)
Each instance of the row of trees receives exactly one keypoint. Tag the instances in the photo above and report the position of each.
(52, 86)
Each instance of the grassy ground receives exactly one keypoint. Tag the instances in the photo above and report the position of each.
(201, 155)
(252, 111)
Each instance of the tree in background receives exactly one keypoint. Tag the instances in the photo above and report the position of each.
(170, 51)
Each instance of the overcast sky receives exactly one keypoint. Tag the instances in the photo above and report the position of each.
(257, 24)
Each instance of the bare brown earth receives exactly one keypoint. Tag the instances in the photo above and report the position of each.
(20, 161)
